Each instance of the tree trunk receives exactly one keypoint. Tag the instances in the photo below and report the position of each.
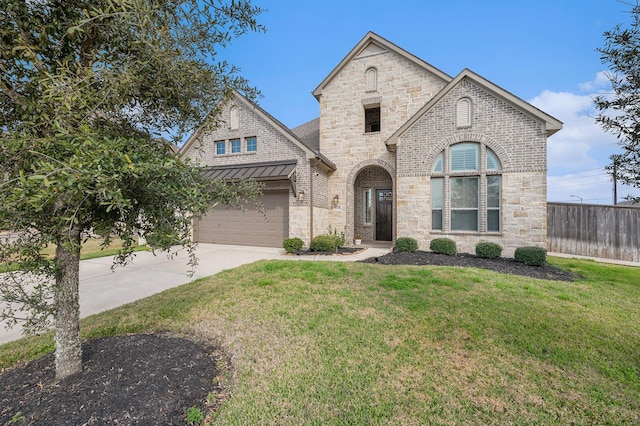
(67, 305)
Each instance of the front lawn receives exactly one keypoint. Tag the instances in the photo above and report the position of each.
(91, 249)
(341, 343)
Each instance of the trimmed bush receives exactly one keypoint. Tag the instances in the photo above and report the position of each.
(443, 246)
(488, 250)
(338, 238)
(292, 245)
(406, 244)
(533, 256)
(324, 243)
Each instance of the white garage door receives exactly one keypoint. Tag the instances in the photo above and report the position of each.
(223, 225)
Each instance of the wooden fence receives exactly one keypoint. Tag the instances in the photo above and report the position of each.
(611, 232)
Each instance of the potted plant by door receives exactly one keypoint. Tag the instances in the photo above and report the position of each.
(357, 239)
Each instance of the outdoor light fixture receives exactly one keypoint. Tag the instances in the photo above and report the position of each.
(301, 196)
(336, 200)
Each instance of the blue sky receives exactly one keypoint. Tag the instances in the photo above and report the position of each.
(542, 51)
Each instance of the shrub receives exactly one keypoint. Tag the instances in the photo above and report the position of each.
(292, 245)
(406, 244)
(534, 256)
(443, 246)
(488, 250)
(339, 238)
(324, 243)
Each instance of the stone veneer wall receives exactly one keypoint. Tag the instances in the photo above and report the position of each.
(519, 142)
(402, 88)
(413, 208)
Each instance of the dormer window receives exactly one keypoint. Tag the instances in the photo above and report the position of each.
(372, 79)
(371, 118)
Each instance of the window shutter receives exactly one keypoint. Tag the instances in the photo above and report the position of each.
(464, 156)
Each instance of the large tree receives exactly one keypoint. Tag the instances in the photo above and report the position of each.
(619, 111)
(86, 87)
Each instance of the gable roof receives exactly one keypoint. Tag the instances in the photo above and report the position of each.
(376, 44)
(551, 124)
(310, 152)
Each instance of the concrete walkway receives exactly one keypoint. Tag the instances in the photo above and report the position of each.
(102, 288)
(596, 259)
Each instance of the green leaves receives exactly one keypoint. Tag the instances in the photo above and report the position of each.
(620, 110)
(85, 84)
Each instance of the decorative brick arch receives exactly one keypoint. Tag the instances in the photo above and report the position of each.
(496, 147)
(350, 201)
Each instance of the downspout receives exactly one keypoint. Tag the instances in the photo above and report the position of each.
(311, 166)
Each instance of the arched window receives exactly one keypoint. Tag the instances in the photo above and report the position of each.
(233, 118)
(463, 112)
(466, 189)
(372, 79)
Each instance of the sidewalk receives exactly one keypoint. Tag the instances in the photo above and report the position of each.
(596, 259)
(347, 257)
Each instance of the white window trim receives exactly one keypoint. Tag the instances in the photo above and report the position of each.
(220, 143)
(482, 174)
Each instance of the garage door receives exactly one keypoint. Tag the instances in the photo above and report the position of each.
(223, 225)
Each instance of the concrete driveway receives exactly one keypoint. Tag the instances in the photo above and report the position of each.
(102, 288)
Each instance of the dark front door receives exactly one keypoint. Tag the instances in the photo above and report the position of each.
(384, 214)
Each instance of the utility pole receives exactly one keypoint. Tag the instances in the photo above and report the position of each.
(615, 159)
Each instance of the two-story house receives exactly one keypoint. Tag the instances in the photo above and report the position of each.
(400, 149)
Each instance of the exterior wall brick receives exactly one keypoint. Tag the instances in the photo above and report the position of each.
(374, 178)
(414, 208)
(363, 160)
(520, 144)
(272, 146)
(402, 89)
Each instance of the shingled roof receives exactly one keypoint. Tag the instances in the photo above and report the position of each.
(309, 134)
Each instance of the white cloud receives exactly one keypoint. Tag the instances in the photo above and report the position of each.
(600, 83)
(578, 154)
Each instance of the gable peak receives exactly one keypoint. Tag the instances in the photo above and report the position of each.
(370, 49)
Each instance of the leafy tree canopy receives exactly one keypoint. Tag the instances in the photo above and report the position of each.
(619, 112)
(86, 86)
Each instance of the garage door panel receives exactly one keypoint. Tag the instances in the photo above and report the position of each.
(223, 225)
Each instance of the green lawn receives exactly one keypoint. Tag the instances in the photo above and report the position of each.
(340, 343)
(91, 249)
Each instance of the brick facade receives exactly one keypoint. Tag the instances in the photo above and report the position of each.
(519, 142)
(420, 116)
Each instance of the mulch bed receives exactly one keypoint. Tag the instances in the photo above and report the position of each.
(336, 252)
(150, 379)
(126, 380)
(503, 265)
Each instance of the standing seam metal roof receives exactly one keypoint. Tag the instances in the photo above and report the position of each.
(276, 170)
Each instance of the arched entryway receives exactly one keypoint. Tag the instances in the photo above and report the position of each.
(373, 204)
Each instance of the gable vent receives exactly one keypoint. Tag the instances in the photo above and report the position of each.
(463, 112)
